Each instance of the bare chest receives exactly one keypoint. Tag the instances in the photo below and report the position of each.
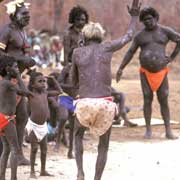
(157, 37)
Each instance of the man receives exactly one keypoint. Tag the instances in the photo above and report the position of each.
(91, 69)
(152, 41)
(78, 17)
(13, 43)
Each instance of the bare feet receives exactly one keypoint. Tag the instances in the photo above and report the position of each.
(80, 177)
(45, 173)
(129, 124)
(171, 136)
(22, 161)
(33, 175)
(70, 155)
(148, 135)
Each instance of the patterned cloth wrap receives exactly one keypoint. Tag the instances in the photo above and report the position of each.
(39, 130)
(67, 101)
(97, 114)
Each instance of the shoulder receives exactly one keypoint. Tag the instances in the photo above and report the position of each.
(5, 29)
(6, 83)
(68, 31)
(166, 29)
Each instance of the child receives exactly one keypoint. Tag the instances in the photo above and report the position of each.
(9, 91)
(39, 113)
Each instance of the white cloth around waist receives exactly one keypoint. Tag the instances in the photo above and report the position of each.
(39, 130)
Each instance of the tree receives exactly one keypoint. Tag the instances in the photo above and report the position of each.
(58, 6)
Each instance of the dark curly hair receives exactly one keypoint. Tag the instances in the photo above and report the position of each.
(148, 11)
(33, 76)
(77, 11)
(5, 61)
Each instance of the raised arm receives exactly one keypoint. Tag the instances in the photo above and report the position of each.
(74, 71)
(67, 49)
(122, 41)
(58, 90)
(129, 55)
(20, 87)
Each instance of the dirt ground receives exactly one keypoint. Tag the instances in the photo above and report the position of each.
(130, 157)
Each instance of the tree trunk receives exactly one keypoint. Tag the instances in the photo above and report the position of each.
(58, 6)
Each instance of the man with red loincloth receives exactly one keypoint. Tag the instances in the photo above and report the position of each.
(152, 41)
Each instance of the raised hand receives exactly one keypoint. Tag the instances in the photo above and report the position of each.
(135, 9)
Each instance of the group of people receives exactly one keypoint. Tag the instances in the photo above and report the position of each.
(46, 48)
(88, 61)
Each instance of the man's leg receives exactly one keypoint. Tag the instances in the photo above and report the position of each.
(4, 157)
(1, 147)
(71, 134)
(10, 143)
(147, 108)
(63, 117)
(34, 149)
(102, 154)
(21, 120)
(162, 95)
(43, 147)
(79, 133)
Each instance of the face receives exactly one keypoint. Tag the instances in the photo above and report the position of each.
(13, 70)
(40, 83)
(80, 21)
(22, 16)
(150, 22)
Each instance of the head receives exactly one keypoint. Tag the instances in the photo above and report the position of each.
(37, 81)
(149, 17)
(6, 66)
(18, 12)
(93, 32)
(78, 16)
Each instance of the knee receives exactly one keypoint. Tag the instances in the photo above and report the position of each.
(148, 98)
(6, 151)
(34, 150)
(162, 97)
(44, 151)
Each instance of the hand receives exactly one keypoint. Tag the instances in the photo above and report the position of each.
(30, 62)
(135, 9)
(50, 77)
(29, 94)
(118, 75)
(168, 59)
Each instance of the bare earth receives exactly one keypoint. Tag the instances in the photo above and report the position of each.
(130, 156)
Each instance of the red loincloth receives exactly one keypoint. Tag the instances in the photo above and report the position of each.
(4, 121)
(155, 79)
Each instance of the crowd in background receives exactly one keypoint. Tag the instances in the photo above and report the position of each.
(46, 49)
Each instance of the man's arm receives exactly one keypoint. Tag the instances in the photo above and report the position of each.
(122, 41)
(74, 71)
(67, 49)
(57, 86)
(20, 88)
(129, 55)
(175, 37)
